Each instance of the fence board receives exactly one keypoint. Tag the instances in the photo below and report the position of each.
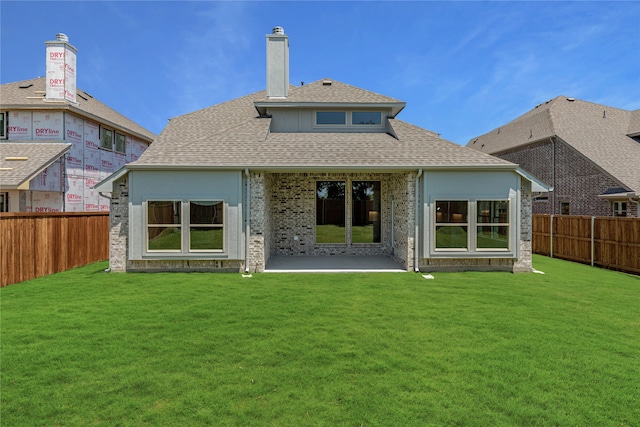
(616, 241)
(37, 244)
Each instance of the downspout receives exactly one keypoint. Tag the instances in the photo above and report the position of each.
(247, 222)
(553, 175)
(417, 225)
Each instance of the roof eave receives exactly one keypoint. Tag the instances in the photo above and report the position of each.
(395, 107)
(63, 105)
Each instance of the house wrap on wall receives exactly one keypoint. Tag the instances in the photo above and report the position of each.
(589, 153)
(57, 142)
(323, 169)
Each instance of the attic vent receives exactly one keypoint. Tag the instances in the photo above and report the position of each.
(25, 86)
(8, 159)
(571, 99)
(326, 83)
(278, 30)
(62, 37)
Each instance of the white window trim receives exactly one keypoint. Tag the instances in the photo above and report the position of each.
(490, 224)
(451, 224)
(222, 226)
(348, 120)
(185, 228)
(147, 226)
(472, 227)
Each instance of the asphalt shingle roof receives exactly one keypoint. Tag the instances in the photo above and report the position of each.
(29, 94)
(232, 134)
(597, 131)
(37, 156)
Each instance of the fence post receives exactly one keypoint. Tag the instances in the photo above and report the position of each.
(551, 236)
(593, 240)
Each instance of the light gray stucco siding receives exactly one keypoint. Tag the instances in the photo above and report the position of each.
(471, 186)
(184, 186)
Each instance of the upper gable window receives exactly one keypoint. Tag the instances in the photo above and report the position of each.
(331, 118)
(366, 118)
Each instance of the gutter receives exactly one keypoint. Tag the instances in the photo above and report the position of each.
(417, 225)
(247, 222)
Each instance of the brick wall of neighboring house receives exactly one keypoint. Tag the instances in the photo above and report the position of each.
(578, 181)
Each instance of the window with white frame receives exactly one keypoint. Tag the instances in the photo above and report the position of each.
(452, 225)
(344, 118)
(106, 138)
(164, 225)
(492, 226)
(619, 208)
(202, 222)
(206, 225)
(331, 118)
(366, 118)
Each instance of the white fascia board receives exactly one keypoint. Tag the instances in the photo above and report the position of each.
(395, 107)
(106, 185)
(537, 186)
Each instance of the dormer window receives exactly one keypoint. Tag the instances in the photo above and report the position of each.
(344, 118)
(331, 118)
(366, 118)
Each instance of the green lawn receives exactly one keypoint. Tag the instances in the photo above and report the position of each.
(86, 347)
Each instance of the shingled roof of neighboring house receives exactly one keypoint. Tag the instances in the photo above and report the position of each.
(233, 134)
(20, 162)
(600, 133)
(29, 95)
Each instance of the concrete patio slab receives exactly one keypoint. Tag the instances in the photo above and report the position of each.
(333, 264)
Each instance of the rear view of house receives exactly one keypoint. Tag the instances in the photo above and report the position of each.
(319, 170)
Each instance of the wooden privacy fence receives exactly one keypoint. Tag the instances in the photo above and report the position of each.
(37, 244)
(609, 242)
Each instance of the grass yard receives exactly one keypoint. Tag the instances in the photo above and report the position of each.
(86, 347)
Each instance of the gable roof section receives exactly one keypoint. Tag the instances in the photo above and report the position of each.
(598, 132)
(29, 95)
(233, 135)
(21, 162)
(330, 93)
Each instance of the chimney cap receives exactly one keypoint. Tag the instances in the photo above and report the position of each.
(61, 37)
(278, 30)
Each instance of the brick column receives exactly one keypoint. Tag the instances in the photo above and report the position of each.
(523, 263)
(119, 226)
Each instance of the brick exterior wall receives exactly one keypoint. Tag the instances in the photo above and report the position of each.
(523, 263)
(283, 207)
(577, 180)
(119, 226)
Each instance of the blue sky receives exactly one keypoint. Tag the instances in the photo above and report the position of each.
(463, 68)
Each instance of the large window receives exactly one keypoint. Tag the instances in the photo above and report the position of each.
(330, 212)
(344, 118)
(492, 224)
(166, 225)
(206, 226)
(452, 224)
(365, 212)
